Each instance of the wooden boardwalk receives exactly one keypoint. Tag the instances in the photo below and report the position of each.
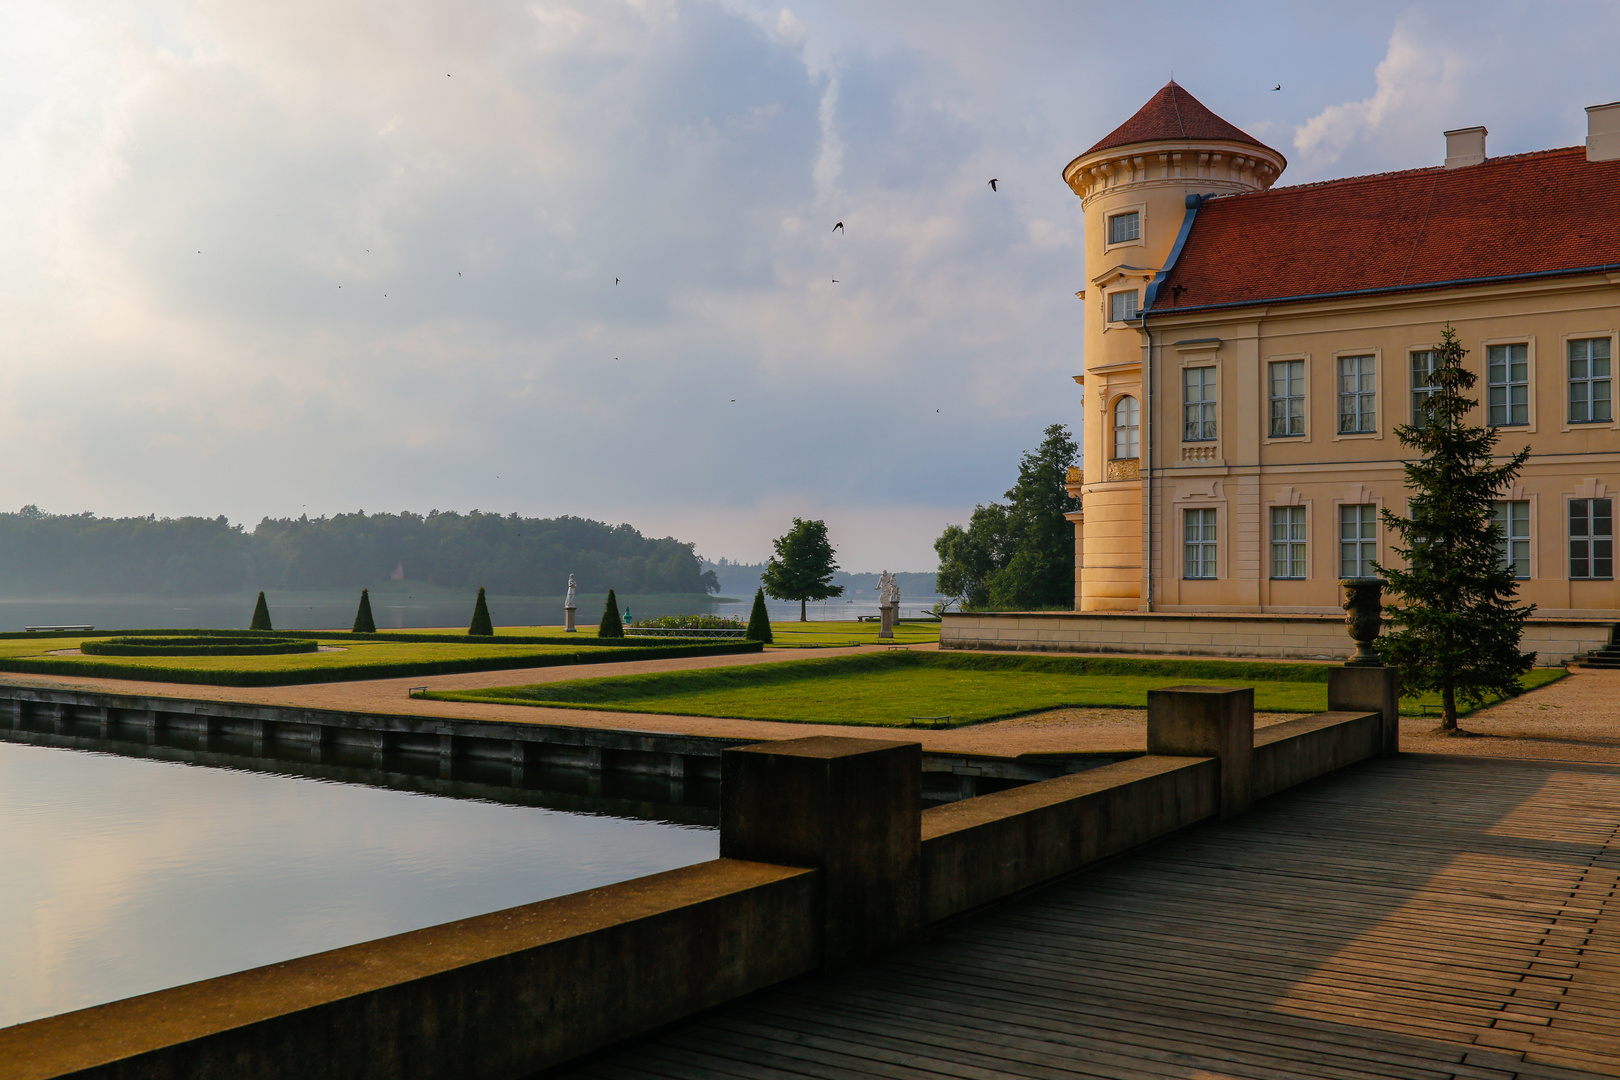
(1426, 917)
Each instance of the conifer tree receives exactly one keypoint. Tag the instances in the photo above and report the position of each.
(261, 615)
(1456, 626)
(612, 625)
(803, 566)
(759, 620)
(481, 626)
(363, 622)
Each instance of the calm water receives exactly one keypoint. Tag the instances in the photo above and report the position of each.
(393, 607)
(119, 876)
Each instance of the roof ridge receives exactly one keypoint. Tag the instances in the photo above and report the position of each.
(1281, 189)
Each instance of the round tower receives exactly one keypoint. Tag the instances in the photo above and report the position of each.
(1134, 188)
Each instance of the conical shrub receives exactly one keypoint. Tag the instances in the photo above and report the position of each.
(261, 615)
(481, 626)
(759, 621)
(612, 625)
(363, 622)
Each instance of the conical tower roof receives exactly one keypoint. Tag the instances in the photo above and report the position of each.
(1174, 114)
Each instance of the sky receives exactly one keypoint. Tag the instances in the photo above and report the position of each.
(565, 257)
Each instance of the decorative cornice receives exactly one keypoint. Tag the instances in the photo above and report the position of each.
(1216, 165)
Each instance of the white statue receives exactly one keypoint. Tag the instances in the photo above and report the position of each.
(568, 603)
(888, 590)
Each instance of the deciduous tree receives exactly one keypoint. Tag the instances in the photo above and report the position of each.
(804, 565)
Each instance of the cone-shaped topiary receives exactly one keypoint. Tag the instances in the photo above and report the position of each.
(612, 625)
(363, 622)
(261, 616)
(759, 621)
(481, 626)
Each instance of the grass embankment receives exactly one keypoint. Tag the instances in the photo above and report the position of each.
(352, 657)
(789, 635)
(897, 689)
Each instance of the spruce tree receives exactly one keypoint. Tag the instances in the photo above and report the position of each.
(612, 625)
(803, 566)
(261, 615)
(759, 620)
(481, 626)
(1456, 626)
(363, 622)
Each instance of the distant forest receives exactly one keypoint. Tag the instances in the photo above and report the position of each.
(741, 579)
(81, 554)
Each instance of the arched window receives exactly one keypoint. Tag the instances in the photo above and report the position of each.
(1127, 426)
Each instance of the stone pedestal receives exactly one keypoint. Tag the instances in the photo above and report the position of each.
(1208, 721)
(1369, 689)
(886, 616)
(568, 620)
(848, 807)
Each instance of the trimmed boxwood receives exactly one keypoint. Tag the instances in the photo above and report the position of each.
(211, 645)
(106, 669)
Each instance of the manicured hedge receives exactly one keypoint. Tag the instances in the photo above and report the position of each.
(52, 665)
(199, 645)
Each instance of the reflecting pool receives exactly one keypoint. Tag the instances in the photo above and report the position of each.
(120, 875)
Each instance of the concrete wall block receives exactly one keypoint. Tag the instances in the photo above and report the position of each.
(1370, 689)
(1299, 750)
(1208, 721)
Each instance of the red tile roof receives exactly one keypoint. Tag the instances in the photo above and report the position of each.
(1173, 113)
(1530, 214)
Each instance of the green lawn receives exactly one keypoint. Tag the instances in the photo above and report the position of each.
(351, 658)
(828, 635)
(903, 689)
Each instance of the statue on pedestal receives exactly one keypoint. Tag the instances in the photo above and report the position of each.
(568, 608)
(888, 604)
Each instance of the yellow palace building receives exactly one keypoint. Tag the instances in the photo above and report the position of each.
(1249, 349)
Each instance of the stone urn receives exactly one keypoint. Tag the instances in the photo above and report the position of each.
(1364, 615)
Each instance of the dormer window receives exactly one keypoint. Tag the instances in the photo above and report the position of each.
(1123, 228)
(1122, 306)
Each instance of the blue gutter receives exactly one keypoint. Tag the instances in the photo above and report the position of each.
(1193, 203)
(1600, 268)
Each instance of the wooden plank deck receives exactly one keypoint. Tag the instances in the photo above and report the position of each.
(1427, 917)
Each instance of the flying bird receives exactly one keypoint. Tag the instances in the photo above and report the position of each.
(835, 228)
(615, 281)
(992, 185)
(835, 281)
(1277, 87)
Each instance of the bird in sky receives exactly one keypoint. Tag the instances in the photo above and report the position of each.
(992, 184)
(1277, 87)
(835, 228)
(835, 281)
(733, 401)
(458, 273)
(615, 281)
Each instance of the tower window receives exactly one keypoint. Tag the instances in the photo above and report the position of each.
(1125, 227)
(1121, 306)
(1127, 428)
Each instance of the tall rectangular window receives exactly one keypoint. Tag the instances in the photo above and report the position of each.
(1358, 539)
(1121, 306)
(1358, 395)
(1590, 387)
(1288, 541)
(1287, 398)
(1513, 520)
(1423, 386)
(1507, 370)
(1591, 538)
(1198, 404)
(1125, 227)
(1199, 541)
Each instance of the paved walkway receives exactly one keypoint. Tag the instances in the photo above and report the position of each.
(1428, 917)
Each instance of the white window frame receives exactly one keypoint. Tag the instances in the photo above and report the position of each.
(1589, 549)
(1289, 396)
(1131, 430)
(1500, 413)
(1200, 543)
(1132, 307)
(1514, 543)
(1589, 381)
(1290, 550)
(1365, 393)
(1420, 392)
(1134, 228)
(1363, 543)
(1200, 421)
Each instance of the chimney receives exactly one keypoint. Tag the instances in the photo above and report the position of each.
(1603, 132)
(1465, 146)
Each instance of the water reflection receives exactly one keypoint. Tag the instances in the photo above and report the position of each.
(120, 875)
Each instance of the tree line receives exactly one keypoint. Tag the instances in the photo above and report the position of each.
(82, 554)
